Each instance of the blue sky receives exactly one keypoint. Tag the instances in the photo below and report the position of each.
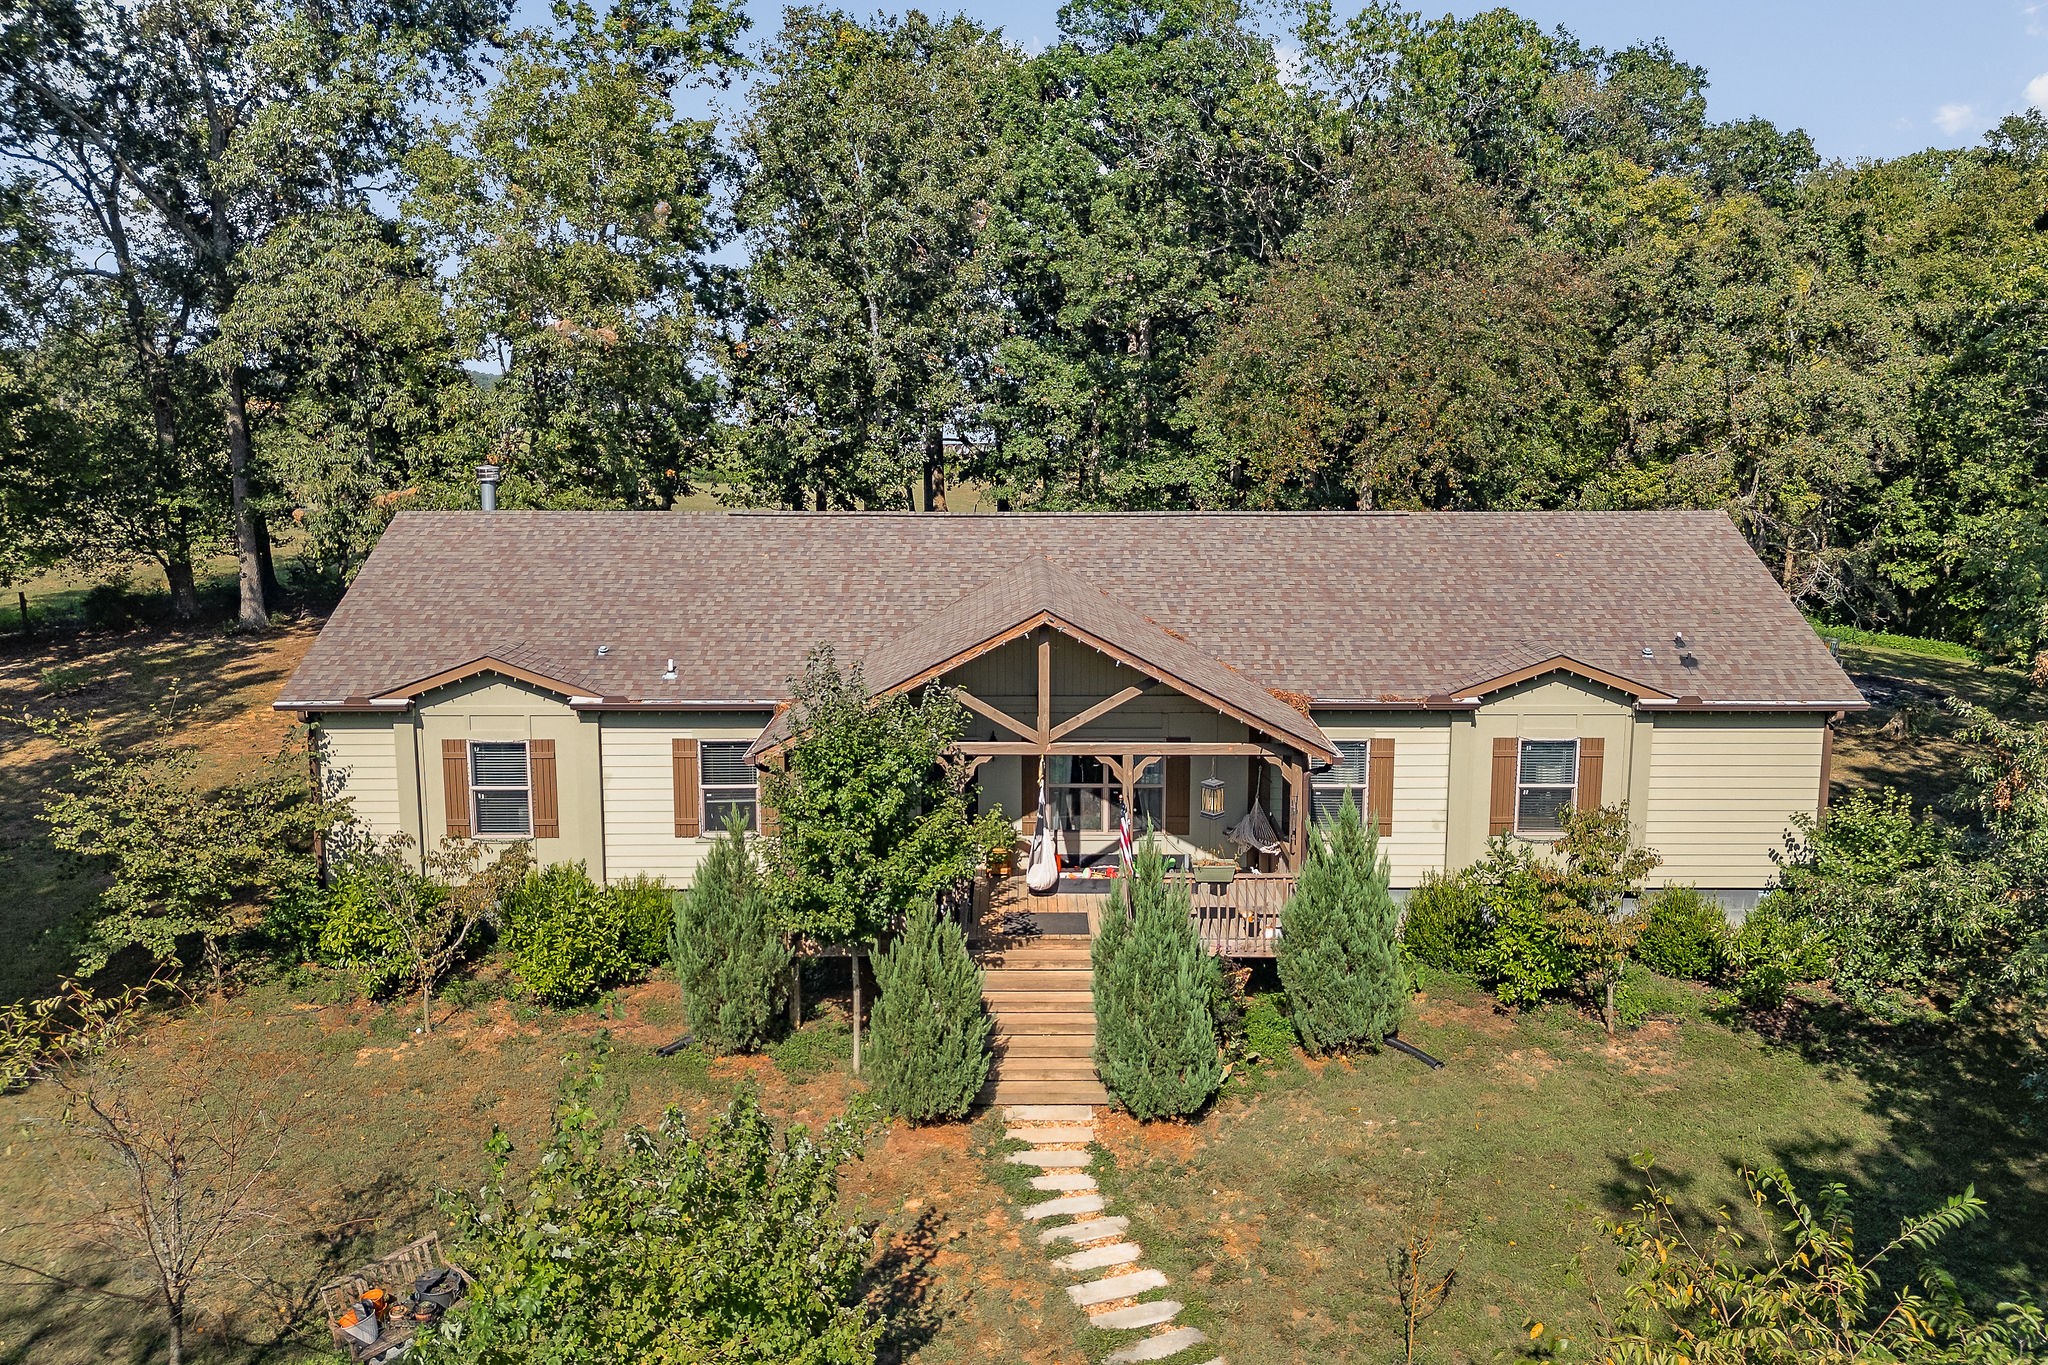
(1878, 78)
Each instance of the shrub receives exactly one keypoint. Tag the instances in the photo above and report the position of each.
(647, 911)
(1268, 1033)
(1683, 934)
(568, 937)
(679, 1243)
(1155, 1038)
(731, 965)
(1444, 924)
(1774, 947)
(1798, 1287)
(929, 1033)
(1525, 958)
(356, 932)
(1338, 956)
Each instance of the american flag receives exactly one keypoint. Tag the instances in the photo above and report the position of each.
(1123, 839)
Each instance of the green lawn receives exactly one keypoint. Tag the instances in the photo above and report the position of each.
(1276, 1213)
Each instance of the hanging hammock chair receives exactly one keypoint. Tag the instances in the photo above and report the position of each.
(1042, 871)
(1256, 832)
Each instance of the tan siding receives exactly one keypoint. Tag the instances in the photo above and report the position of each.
(359, 760)
(1422, 773)
(639, 791)
(1555, 707)
(492, 708)
(1723, 790)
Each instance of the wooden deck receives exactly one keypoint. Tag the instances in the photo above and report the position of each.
(1238, 919)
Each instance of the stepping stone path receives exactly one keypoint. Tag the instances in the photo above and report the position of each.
(1091, 1248)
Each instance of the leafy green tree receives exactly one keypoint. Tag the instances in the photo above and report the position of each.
(673, 1243)
(1598, 868)
(1417, 348)
(1155, 1035)
(1156, 158)
(1789, 1286)
(355, 362)
(184, 859)
(730, 962)
(1339, 955)
(172, 136)
(574, 203)
(871, 812)
(930, 1033)
(872, 163)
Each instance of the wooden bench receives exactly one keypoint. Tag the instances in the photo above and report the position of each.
(394, 1274)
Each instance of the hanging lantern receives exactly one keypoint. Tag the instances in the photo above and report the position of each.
(1212, 793)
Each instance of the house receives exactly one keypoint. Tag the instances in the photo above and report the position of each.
(604, 682)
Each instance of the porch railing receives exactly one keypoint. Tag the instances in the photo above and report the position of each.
(1235, 918)
(1240, 917)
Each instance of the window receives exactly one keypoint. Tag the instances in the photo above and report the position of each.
(728, 784)
(1546, 785)
(500, 789)
(1347, 777)
(1085, 795)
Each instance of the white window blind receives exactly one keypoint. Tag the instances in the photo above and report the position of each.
(500, 789)
(1347, 777)
(728, 783)
(1547, 784)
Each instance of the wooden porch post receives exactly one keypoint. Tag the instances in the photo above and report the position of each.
(1297, 794)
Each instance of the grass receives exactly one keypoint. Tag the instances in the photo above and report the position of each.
(1907, 740)
(1902, 644)
(1275, 1213)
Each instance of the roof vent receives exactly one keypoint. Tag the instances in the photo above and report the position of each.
(1649, 653)
(1679, 639)
(669, 674)
(487, 486)
(603, 650)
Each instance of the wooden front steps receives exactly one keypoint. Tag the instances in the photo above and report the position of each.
(1040, 992)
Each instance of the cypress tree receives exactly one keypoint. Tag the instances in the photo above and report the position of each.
(1339, 954)
(730, 962)
(1155, 1040)
(929, 1035)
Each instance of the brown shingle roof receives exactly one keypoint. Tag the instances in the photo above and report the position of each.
(1036, 590)
(1350, 608)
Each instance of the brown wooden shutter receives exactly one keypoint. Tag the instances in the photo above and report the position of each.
(1500, 816)
(455, 786)
(547, 806)
(1592, 767)
(689, 800)
(1379, 784)
(1029, 807)
(1179, 778)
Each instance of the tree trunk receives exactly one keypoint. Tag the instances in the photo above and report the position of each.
(255, 612)
(796, 993)
(266, 566)
(176, 1316)
(935, 469)
(21, 598)
(855, 959)
(184, 591)
(1607, 1019)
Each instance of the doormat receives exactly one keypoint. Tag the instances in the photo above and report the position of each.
(1046, 922)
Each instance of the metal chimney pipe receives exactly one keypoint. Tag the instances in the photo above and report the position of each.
(487, 481)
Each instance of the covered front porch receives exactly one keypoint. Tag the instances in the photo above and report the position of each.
(1083, 713)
